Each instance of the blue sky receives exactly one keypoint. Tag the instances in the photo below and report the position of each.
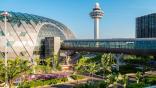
(118, 21)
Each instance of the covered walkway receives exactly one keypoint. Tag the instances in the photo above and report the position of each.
(135, 46)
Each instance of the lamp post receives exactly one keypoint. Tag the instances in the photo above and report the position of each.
(5, 14)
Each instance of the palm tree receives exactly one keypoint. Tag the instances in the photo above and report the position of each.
(125, 80)
(81, 65)
(106, 62)
(138, 77)
(111, 79)
(92, 68)
(14, 69)
(2, 71)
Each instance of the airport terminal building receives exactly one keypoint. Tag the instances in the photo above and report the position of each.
(25, 34)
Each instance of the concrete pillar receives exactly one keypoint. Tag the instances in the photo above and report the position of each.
(96, 28)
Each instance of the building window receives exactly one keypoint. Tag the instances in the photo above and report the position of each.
(23, 34)
(2, 33)
(22, 53)
(10, 43)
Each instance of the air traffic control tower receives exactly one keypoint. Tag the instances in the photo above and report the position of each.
(96, 14)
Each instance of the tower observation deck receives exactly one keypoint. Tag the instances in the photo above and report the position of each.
(96, 14)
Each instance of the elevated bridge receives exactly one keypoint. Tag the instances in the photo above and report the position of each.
(134, 46)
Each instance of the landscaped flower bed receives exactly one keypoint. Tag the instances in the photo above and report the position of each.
(47, 76)
(44, 79)
(36, 83)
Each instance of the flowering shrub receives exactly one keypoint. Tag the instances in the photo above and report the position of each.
(43, 79)
(47, 76)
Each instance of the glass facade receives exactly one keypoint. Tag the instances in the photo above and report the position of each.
(47, 31)
(146, 26)
(25, 33)
(142, 44)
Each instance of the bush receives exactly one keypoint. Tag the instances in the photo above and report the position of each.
(137, 60)
(64, 79)
(150, 80)
(36, 83)
(135, 85)
(87, 85)
(101, 84)
(58, 67)
(76, 77)
(24, 85)
(128, 69)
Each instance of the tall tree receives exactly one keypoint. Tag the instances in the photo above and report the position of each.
(14, 69)
(92, 68)
(106, 62)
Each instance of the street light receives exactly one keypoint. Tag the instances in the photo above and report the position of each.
(5, 14)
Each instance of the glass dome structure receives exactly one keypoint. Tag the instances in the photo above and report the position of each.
(25, 31)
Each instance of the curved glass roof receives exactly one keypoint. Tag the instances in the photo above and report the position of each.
(17, 18)
(26, 31)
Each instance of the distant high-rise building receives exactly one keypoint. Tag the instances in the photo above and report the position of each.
(146, 26)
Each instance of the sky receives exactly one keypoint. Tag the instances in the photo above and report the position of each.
(118, 20)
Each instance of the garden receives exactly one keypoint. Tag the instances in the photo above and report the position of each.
(22, 73)
(102, 66)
